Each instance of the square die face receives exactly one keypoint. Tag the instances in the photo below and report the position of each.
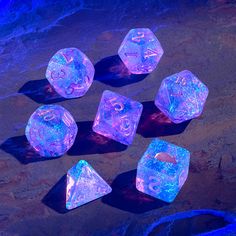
(156, 184)
(163, 170)
(117, 117)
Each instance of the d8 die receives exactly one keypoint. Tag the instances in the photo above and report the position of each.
(162, 170)
(70, 72)
(181, 96)
(51, 130)
(140, 51)
(117, 117)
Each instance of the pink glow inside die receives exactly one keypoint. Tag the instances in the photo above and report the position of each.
(117, 117)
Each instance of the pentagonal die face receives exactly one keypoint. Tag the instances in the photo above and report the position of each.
(162, 170)
(51, 130)
(117, 117)
(70, 72)
(140, 51)
(181, 96)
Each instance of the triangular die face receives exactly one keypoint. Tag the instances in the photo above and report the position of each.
(84, 185)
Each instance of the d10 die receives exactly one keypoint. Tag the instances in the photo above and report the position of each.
(117, 117)
(70, 72)
(181, 96)
(140, 51)
(162, 170)
(51, 130)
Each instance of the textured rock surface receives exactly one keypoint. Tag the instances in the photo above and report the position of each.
(200, 38)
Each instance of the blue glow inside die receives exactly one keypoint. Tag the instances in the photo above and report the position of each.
(162, 170)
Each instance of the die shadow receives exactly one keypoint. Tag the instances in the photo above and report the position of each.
(89, 142)
(41, 91)
(153, 123)
(56, 197)
(112, 71)
(126, 197)
(20, 148)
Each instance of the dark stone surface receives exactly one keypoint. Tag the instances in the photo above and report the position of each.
(195, 35)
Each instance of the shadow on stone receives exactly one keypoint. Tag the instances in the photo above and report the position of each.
(56, 197)
(20, 148)
(126, 197)
(112, 71)
(41, 91)
(89, 142)
(153, 123)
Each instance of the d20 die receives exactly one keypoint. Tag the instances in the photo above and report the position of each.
(51, 130)
(140, 51)
(70, 72)
(162, 170)
(181, 96)
(84, 184)
(117, 117)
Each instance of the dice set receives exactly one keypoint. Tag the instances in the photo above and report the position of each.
(163, 169)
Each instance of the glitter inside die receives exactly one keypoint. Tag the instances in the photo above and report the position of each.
(84, 185)
(117, 117)
(181, 96)
(51, 130)
(140, 51)
(70, 72)
(162, 170)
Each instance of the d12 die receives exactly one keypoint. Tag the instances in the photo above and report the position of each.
(51, 130)
(162, 170)
(181, 96)
(140, 51)
(70, 72)
(117, 117)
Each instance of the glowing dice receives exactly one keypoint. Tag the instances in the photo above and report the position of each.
(51, 130)
(162, 170)
(181, 96)
(70, 72)
(84, 184)
(140, 51)
(117, 117)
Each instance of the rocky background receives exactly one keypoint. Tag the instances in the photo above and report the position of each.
(195, 35)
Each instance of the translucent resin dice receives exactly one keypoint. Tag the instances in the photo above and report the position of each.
(117, 117)
(51, 130)
(70, 72)
(162, 170)
(84, 185)
(181, 96)
(140, 51)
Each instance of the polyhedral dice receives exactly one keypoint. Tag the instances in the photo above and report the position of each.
(70, 72)
(51, 130)
(117, 117)
(162, 170)
(181, 96)
(84, 184)
(140, 51)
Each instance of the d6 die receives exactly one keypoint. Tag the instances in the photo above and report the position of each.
(140, 51)
(70, 72)
(117, 117)
(181, 96)
(162, 170)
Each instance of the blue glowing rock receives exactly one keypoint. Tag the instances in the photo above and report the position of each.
(51, 130)
(117, 117)
(70, 72)
(140, 51)
(162, 170)
(181, 96)
(84, 185)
